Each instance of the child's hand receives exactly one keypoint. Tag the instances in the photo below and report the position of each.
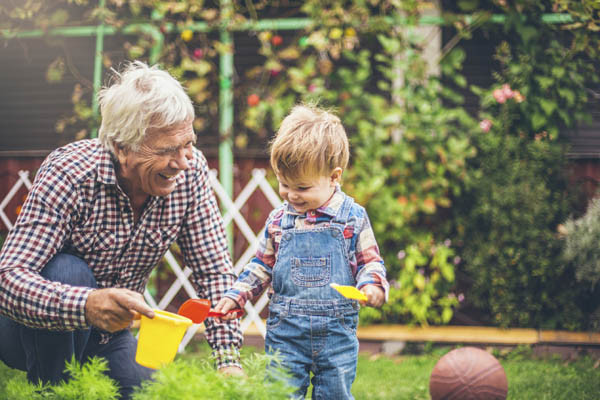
(375, 295)
(224, 305)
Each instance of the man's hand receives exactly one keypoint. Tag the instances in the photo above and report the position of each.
(115, 309)
(232, 371)
(375, 295)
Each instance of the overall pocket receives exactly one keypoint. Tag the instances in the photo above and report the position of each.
(311, 271)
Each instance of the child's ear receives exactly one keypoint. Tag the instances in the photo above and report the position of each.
(336, 175)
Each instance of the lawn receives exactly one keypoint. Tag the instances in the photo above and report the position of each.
(400, 377)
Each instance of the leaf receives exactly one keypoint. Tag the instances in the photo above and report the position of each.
(548, 106)
(538, 121)
(290, 53)
(200, 67)
(544, 82)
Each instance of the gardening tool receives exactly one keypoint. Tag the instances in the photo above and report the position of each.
(349, 292)
(160, 338)
(198, 309)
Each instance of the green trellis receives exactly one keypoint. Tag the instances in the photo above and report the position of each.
(226, 108)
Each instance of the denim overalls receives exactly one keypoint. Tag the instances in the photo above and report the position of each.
(310, 325)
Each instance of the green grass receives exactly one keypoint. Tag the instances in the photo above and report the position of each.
(380, 377)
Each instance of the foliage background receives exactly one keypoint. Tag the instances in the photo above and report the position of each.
(465, 203)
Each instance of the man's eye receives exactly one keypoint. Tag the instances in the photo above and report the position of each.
(165, 152)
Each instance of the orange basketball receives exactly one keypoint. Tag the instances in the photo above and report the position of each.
(468, 373)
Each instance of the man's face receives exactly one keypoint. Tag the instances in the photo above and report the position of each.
(153, 169)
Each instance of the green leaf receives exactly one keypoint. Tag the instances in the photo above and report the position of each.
(544, 82)
(548, 106)
(538, 121)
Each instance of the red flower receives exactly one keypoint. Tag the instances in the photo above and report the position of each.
(276, 40)
(253, 100)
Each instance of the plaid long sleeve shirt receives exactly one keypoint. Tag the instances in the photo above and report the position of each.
(363, 253)
(77, 206)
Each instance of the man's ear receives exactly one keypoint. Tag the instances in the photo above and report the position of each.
(120, 152)
(336, 175)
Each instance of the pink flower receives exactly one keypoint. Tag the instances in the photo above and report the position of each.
(461, 297)
(499, 96)
(401, 254)
(198, 53)
(485, 125)
(519, 98)
(312, 87)
(508, 93)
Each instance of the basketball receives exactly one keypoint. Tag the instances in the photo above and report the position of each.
(468, 373)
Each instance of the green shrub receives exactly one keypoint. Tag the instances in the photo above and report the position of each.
(190, 377)
(581, 253)
(510, 248)
(197, 379)
(88, 381)
(582, 247)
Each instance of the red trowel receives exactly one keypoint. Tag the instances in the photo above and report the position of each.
(199, 309)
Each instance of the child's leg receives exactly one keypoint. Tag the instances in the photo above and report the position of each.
(291, 348)
(336, 365)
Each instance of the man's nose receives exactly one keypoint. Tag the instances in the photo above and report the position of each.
(182, 161)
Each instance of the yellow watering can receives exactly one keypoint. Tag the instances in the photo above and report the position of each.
(160, 338)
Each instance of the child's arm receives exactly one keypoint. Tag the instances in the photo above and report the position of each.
(257, 275)
(370, 270)
(375, 295)
(224, 305)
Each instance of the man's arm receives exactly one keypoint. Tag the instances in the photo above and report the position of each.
(39, 233)
(204, 246)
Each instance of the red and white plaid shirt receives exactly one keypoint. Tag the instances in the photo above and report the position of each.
(77, 206)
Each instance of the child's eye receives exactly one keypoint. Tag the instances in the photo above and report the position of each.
(303, 187)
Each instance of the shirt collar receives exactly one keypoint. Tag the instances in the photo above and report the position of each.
(330, 208)
(106, 167)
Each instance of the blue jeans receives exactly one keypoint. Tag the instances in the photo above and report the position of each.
(42, 353)
(323, 343)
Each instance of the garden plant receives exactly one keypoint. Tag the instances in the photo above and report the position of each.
(529, 377)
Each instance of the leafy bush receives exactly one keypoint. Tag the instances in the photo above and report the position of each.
(519, 192)
(510, 248)
(88, 381)
(197, 379)
(189, 378)
(581, 244)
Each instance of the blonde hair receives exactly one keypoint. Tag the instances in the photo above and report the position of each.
(142, 97)
(310, 142)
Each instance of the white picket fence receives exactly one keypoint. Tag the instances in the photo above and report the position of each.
(258, 181)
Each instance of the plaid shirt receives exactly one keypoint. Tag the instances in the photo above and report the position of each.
(363, 253)
(77, 206)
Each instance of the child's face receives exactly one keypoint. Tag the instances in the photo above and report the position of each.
(309, 193)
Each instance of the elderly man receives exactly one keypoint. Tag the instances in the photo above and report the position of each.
(100, 216)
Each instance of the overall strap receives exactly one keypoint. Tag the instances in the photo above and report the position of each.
(342, 215)
(287, 222)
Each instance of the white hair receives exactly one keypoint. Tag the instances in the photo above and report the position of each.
(142, 97)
